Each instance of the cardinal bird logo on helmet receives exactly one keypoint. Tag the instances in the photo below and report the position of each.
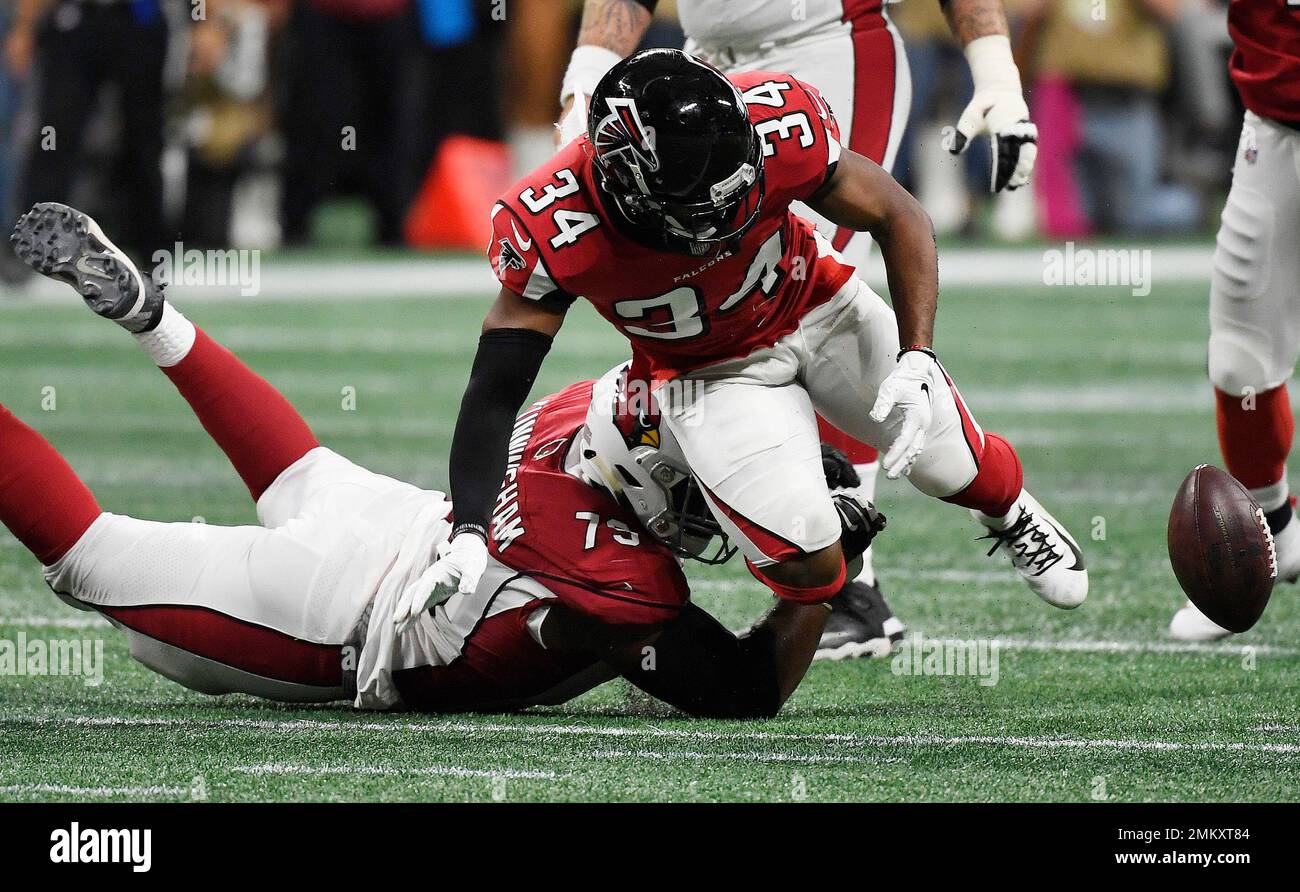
(622, 131)
(635, 413)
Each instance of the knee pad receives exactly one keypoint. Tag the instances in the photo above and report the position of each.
(1241, 268)
(1240, 361)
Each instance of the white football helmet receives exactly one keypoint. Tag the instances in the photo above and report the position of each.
(623, 449)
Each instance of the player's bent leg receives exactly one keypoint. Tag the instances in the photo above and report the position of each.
(254, 424)
(813, 578)
(755, 452)
(1042, 551)
(1255, 337)
(250, 420)
(852, 347)
(1255, 330)
(42, 501)
(220, 609)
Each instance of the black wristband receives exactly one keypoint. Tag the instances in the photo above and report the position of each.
(465, 527)
(504, 370)
(916, 348)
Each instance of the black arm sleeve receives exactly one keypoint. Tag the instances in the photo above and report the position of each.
(649, 4)
(504, 370)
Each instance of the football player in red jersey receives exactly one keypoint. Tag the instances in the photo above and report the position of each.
(672, 217)
(578, 585)
(852, 53)
(1254, 303)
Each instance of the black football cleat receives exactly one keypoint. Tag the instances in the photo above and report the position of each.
(66, 245)
(860, 625)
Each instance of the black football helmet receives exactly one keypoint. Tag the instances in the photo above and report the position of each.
(675, 152)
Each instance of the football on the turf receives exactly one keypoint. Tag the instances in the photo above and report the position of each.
(1221, 549)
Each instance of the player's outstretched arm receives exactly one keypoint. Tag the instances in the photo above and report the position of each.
(610, 30)
(998, 107)
(516, 337)
(695, 664)
(862, 196)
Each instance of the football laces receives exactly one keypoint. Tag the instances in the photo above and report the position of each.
(1268, 537)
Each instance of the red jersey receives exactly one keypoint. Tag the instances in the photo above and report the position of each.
(553, 237)
(1265, 62)
(574, 539)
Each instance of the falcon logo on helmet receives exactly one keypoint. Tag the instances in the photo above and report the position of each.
(622, 130)
(677, 158)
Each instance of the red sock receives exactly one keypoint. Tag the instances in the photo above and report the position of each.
(252, 422)
(857, 453)
(998, 482)
(1255, 441)
(42, 500)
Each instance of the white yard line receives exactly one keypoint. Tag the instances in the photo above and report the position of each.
(61, 789)
(748, 757)
(471, 730)
(1225, 648)
(430, 770)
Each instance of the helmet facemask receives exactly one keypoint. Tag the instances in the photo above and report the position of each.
(642, 467)
(688, 227)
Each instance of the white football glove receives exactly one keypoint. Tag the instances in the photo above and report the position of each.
(997, 109)
(460, 564)
(909, 391)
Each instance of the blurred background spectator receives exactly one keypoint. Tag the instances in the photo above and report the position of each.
(73, 52)
(351, 113)
(11, 79)
(257, 123)
(228, 125)
(941, 87)
(1100, 69)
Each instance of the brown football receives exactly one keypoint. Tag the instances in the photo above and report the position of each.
(1221, 549)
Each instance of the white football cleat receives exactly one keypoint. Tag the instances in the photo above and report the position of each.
(1044, 554)
(1189, 624)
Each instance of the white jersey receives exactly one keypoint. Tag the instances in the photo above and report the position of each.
(745, 24)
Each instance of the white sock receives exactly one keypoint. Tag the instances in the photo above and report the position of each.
(1271, 498)
(171, 341)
